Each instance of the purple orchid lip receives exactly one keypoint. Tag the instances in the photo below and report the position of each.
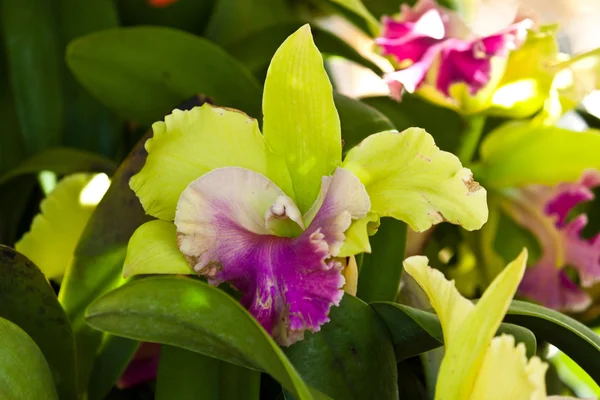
(546, 282)
(429, 37)
(249, 234)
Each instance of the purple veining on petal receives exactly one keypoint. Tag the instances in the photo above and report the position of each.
(551, 287)
(428, 35)
(582, 254)
(288, 283)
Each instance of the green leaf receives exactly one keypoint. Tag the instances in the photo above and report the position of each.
(416, 331)
(442, 123)
(511, 237)
(351, 357)
(248, 17)
(99, 256)
(14, 201)
(183, 374)
(358, 120)
(190, 314)
(112, 358)
(34, 63)
(11, 143)
(62, 161)
(24, 373)
(28, 300)
(560, 155)
(379, 278)
(255, 51)
(143, 72)
(88, 124)
(98, 261)
(409, 178)
(187, 15)
(572, 337)
(357, 13)
(300, 119)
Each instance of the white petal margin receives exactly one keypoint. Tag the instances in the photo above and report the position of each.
(342, 199)
(153, 249)
(247, 198)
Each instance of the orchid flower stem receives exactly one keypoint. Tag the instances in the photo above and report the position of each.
(379, 278)
(470, 138)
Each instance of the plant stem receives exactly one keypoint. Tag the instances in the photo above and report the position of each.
(470, 138)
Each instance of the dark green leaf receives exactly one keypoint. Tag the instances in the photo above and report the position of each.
(88, 124)
(255, 51)
(113, 356)
(32, 46)
(11, 142)
(410, 385)
(14, 201)
(99, 257)
(183, 374)
(28, 300)
(352, 357)
(511, 238)
(572, 337)
(354, 12)
(443, 124)
(187, 15)
(24, 373)
(98, 262)
(233, 20)
(358, 120)
(190, 314)
(416, 331)
(143, 72)
(379, 278)
(61, 160)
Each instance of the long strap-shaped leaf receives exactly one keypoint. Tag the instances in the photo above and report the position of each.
(416, 331)
(572, 337)
(190, 314)
(27, 300)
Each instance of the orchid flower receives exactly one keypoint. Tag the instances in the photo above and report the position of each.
(438, 56)
(276, 214)
(56, 230)
(546, 212)
(477, 365)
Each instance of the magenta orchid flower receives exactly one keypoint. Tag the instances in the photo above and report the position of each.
(437, 55)
(546, 212)
(276, 215)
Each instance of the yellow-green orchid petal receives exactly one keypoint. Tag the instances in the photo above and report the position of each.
(529, 75)
(506, 374)
(153, 249)
(468, 329)
(445, 299)
(357, 236)
(577, 78)
(55, 232)
(189, 144)
(300, 119)
(409, 178)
